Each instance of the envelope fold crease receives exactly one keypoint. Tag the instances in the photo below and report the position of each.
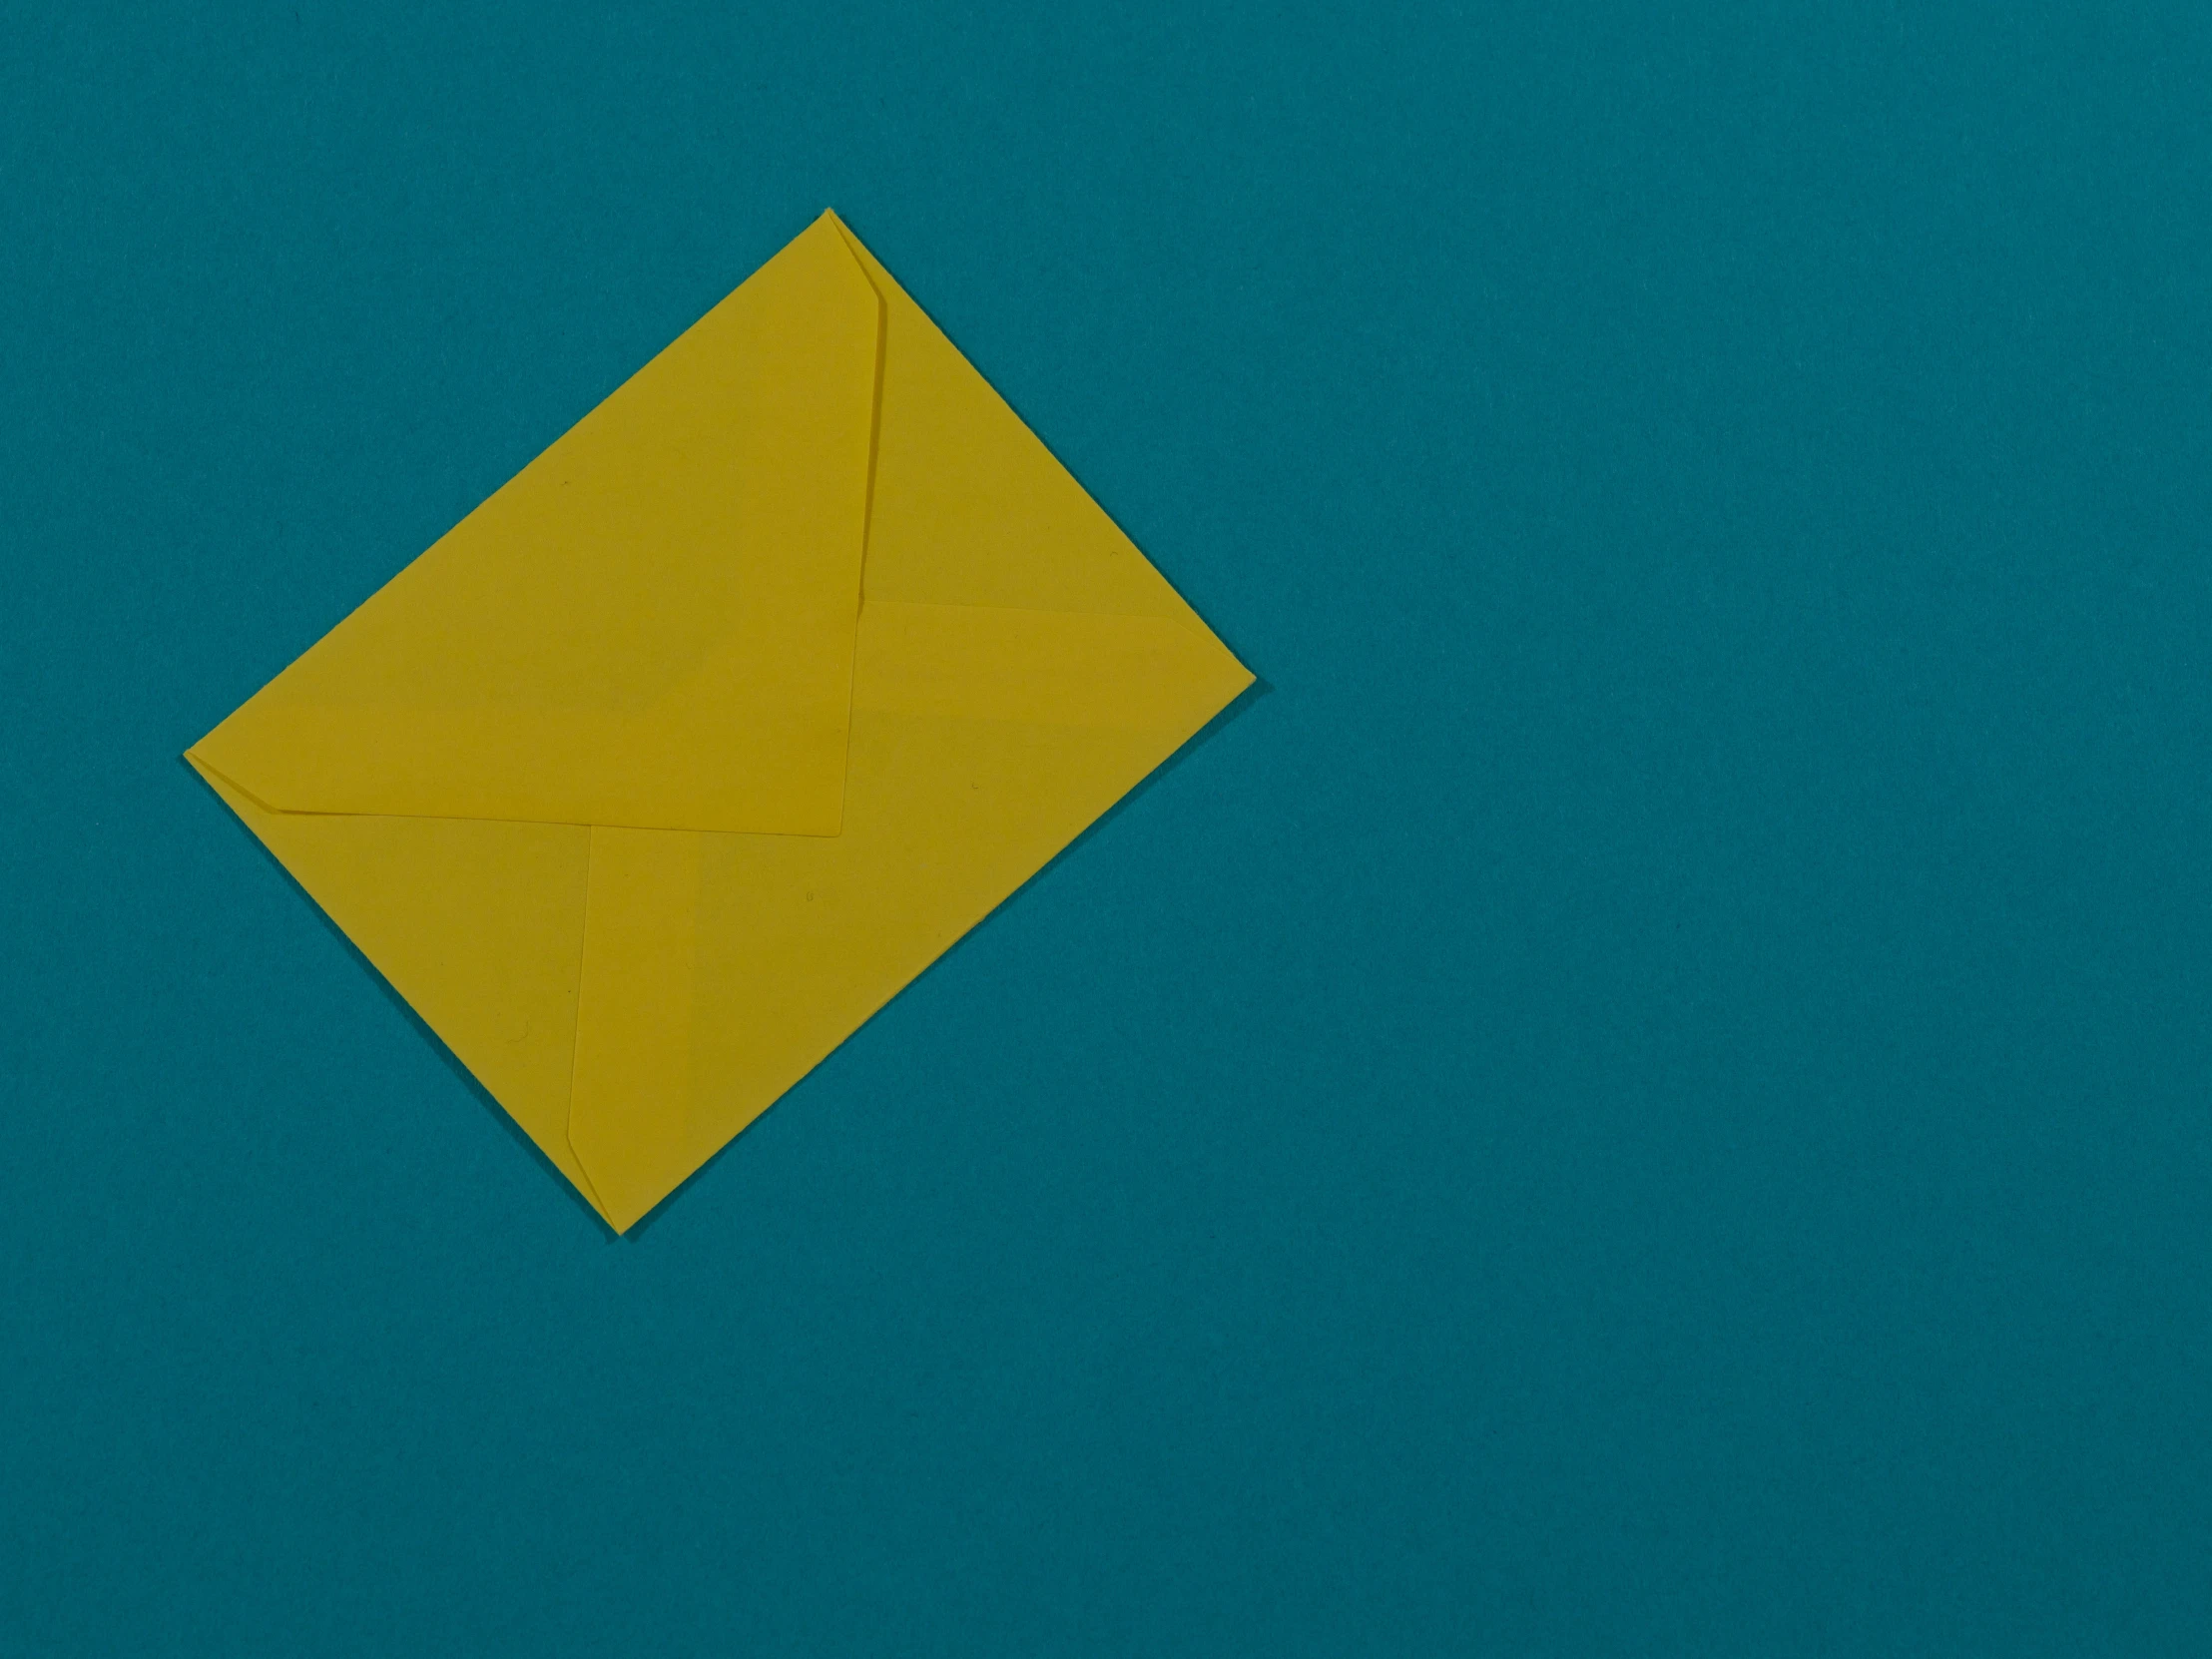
(650, 624)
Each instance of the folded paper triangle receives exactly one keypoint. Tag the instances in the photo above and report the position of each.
(641, 962)
(675, 581)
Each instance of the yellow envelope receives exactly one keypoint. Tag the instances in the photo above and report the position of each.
(677, 759)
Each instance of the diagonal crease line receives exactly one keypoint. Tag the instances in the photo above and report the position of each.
(875, 416)
(472, 818)
(194, 758)
(868, 507)
(576, 1041)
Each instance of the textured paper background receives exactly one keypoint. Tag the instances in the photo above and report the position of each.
(1650, 1097)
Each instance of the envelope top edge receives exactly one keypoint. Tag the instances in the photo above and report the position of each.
(652, 624)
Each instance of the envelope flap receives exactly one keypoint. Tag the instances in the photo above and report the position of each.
(652, 625)
(970, 507)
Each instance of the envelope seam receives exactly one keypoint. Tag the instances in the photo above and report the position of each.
(868, 504)
(197, 758)
(576, 1039)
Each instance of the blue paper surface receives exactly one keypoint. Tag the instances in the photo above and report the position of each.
(1649, 1096)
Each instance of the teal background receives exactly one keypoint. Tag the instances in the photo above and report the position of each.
(1648, 1097)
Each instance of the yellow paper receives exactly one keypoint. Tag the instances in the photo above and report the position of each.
(675, 761)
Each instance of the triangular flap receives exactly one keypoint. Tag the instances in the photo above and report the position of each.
(970, 507)
(652, 624)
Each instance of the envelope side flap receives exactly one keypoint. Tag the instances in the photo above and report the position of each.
(970, 507)
(652, 624)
